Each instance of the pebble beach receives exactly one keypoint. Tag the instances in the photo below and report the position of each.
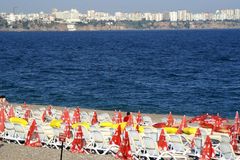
(14, 151)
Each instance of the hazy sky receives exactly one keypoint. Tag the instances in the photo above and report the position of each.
(117, 5)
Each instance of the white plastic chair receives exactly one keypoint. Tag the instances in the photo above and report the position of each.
(9, 132)
(20, 133)
(150, 150)
(176, 144)
(100, 145)
(147, 121)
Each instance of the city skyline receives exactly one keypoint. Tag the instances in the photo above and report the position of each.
(24, 6)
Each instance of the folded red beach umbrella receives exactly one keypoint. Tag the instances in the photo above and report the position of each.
(130, 120)
(207, 151)
(170, 119)
(94, 118)
(67, 129)
(65, 116)
(76, 116)
(162, 142)
(27, 114)
(49, 110)
(139, 117)
(2, 120)
(24, 105)
(197, 134)
(33, 138)
(11, 112)
(137, 128)
(116, 138)
(234, 142)
(124, 152)
(114, 118)
(119, 118)
(44, 115)
(78, 143)
(182, 125)
(236, 123)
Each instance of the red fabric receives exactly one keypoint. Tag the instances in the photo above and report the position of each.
(2, 119)
(11, 113)
(49, 110)
(77, 144)
(198, 133)
(207, 151)
(198, 118)
(24, 105)
(170, 119)
(32, 134)
(116, 138)
(137, 128)
(114, 119)
(130, 120)
(65, 116)
(162, 142)
(159, 125)
(27, 114)
(44, 115)
(76, 116)
(94, 119)
(67, 129)
(139, 117)
(234, 142)
(182, 125)
(119, 119)
(126, 118)
(124, 152)
(236, 123)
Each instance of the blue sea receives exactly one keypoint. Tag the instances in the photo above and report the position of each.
(184, 71)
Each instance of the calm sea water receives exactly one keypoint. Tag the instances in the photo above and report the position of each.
(186, 72)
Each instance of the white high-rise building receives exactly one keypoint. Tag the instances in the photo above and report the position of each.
(237, 14)
(182, 15)
(158, 17)
(173, 16)
(67, 16)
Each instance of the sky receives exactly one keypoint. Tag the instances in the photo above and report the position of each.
(111, 6)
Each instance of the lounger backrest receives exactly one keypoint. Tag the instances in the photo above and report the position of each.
(104, 117)
(226, 150)
(152, 135)
(9, 126)
(86, 133)
(225, 139)
(175, 138)
(150, 146)
(135, 138)
(97, 136)
(198, 143)
(147, 120)
(19, 128)
(134, 135)
(177, 143)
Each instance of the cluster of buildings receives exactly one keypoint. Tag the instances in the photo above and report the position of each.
(73, 16)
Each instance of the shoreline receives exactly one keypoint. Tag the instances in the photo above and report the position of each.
(156, 117)
(117, 30)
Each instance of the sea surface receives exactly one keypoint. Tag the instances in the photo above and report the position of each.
(185, 71)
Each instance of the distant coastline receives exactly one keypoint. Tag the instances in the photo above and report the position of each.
(125, 25)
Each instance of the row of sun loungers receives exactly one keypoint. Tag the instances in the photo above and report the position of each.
(97, 139)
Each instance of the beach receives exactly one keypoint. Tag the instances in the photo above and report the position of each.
(21, 152)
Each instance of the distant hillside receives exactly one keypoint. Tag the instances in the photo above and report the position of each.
(119, 25)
